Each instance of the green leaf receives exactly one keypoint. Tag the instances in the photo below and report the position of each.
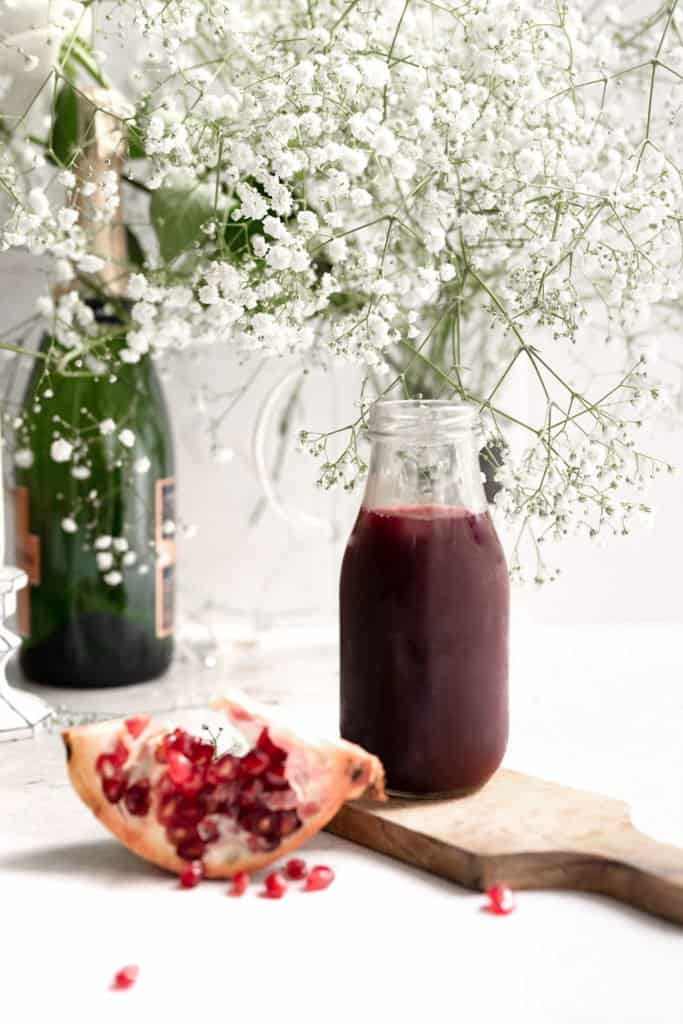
(178, 216)
(238, 234)
(136, 146)
(64, 136)
(136, 255)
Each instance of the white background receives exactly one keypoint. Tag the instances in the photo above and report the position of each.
(628, 579)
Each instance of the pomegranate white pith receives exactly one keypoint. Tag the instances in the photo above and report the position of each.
(167, 796)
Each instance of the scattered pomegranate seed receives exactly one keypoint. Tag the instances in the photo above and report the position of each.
(296, 869)
(124, 978)
(320, 877)
(191, 874)
(240, 884)
(137, 725)
(275, 886)
(500, 900)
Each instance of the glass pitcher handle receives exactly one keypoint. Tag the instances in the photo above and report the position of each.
(290, 514)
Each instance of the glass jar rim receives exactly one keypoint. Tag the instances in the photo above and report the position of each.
(421, 419)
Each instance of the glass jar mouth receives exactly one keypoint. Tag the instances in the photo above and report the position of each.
(426, 421)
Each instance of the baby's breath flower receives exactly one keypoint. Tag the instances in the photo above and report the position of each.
(23, 458)
(60, 450)
(478, 200)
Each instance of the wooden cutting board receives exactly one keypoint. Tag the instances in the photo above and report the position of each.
(528, 833)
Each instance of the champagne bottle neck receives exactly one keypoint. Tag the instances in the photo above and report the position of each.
(97, 195)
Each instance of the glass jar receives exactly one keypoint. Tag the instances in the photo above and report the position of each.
(424, 606)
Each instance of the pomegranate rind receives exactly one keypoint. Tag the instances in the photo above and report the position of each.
(324, 773)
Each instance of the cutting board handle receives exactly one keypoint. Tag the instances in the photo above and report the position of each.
(620, 862)
(597, 851)
(637, 869)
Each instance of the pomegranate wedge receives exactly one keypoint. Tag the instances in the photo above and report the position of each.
(170, 798)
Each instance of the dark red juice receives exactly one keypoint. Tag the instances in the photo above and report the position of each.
(424, 646)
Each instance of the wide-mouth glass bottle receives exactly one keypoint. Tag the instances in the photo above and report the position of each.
(424, 606)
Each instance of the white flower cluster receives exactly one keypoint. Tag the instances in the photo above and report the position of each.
(458, 188)
(40, 228)
(83, 508)
(113, 555)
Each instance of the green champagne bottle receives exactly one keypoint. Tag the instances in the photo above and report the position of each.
(95, 485)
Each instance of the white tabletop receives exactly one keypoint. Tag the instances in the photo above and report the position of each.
(598, 708)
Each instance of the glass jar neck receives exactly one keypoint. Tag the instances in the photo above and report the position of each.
(424, 454)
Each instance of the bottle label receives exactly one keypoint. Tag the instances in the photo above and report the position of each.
(27, 556)
(164, 516)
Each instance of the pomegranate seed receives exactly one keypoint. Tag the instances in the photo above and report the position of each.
(107, 766)
(137, 798)
(175, 740)
(240, 884)
(178, 834)
(296, 869)
(189, 811)
(161, 753)
(191, 875)
(165, 787)
(120, 754)
(113, 789)
(191, 849)
(274, 886)
(137, 725)
(222, 770)
(265, 743)
(500, 900)
(180, 768)
(255, 762)
(225, 792)
(124, 978)
(167, 809)
(199, 751)
(320, 877)
(193, 784)
(251, 793)
(288, 822)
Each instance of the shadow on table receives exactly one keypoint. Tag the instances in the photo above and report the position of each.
(101, 857)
